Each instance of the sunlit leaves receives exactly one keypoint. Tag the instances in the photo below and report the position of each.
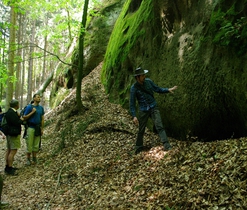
(3, 74)
(59, 20)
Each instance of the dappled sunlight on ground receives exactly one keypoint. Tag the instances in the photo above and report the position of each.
(156, 153)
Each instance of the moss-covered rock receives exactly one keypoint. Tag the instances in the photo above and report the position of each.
(101, 21)
(181, 44)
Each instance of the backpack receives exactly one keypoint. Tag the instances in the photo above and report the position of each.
(25, 122)
(1, 117)
(23, 110)
(4, 125)
(22, 113)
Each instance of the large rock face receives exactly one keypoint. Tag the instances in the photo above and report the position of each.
(99, 31)
(199, 46)
(99, 28)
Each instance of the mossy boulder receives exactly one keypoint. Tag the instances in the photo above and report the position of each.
(182, 43)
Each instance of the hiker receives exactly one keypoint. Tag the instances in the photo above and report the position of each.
(143, 90)
(34, 114)
(13, 137)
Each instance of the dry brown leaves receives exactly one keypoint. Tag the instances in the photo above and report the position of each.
(88, 162)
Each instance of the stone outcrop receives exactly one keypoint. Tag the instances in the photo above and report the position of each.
(199, 46)
(101, 21)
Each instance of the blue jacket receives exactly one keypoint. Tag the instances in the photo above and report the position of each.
(36, 118)
(145, 97)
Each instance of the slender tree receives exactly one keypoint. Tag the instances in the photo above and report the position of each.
(56, 30)
(81, 56)
(23, 70)
(19, 54)
(11, 57)
(30, 67)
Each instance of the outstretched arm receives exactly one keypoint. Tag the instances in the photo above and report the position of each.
(172, 89)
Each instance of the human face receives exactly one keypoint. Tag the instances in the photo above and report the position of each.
(36, 98)
(141, 78)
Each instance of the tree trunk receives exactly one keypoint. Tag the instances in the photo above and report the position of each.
(3, 61)
(44, 61)
(10, 83)
(30, 69)
(18, 65)
(23, 53)
(69, 27)
(81, 56)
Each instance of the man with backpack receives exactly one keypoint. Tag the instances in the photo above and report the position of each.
(14, 122)
(143, 91)
(34, 114)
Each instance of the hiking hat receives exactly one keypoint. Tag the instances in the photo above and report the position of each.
(140, 71)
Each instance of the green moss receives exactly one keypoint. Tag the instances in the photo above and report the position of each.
(216, 20)
(207, 91)
(128, 29)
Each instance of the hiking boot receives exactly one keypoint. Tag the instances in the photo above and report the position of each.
(35, 161)
(28, 163)
(167, 147)
(7, 168)
(11, 171)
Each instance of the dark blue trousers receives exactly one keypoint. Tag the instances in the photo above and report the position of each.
(154, 114)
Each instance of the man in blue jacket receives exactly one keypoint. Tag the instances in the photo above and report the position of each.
(143, 91)
(34, 114)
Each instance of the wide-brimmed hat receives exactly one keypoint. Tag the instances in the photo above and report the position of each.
(140, 71)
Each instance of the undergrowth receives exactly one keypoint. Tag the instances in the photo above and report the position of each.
(229, 27)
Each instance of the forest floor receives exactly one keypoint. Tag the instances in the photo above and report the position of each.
(87, 161)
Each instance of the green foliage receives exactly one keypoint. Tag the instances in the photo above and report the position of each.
(231, 32)
(229, 28)
(3, 75)
(60, 95)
